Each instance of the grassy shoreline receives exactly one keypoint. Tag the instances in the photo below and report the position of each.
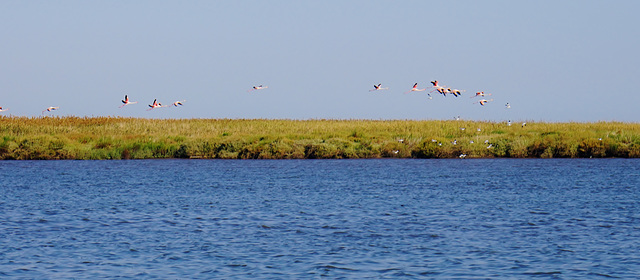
(134, 138)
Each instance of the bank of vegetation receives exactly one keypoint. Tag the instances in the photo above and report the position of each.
(24, 138)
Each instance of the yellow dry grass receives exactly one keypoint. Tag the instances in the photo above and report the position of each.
(129, 138)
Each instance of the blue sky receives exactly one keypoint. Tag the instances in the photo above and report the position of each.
(553, 61)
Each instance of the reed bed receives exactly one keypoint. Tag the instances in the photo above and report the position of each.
(134, 138)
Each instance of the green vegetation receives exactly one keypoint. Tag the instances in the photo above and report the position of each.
(132, 138)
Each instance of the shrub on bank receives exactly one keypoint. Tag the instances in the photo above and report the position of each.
(130, 138)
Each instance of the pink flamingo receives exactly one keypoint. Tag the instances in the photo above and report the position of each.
(481, 93)
(257, 88)
(155, 104)
(127, 102)
(415, 88)
(440, 89)
(50, 109)
(456, 92)
(483, 101)
(378, 87)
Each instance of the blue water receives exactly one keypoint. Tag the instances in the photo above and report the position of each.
(309, 219)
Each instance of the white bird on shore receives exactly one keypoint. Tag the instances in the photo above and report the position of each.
(50, 109)
(155, 104)
(257, 88)
(175, 104)
(127, 102)
(378, 87)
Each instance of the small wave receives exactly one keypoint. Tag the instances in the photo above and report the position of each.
(169, 222)
(604, 275)
(387, 270)
(333, 267)
(429, 273)
(543, 273)
(539, 212)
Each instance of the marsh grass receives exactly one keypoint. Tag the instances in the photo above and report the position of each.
(133, 138)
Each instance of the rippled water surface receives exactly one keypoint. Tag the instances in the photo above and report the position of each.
(308, 219)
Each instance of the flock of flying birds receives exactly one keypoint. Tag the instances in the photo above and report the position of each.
(436, 87)
(125, 102)
(153, 105)
(444, 90)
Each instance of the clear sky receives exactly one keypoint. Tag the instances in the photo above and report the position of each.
(556, 61)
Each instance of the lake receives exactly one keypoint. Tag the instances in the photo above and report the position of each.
(309, 219)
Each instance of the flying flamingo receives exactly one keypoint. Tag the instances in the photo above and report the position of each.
(415, 88)
(378, 87)
(440, 89)
(457, 92)
(481, 93)
(2, 109)
(178, 103)
(483, 101)
(50, 109)
(257, 88)
(127, 102)
(449, 90)
(155, 104)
